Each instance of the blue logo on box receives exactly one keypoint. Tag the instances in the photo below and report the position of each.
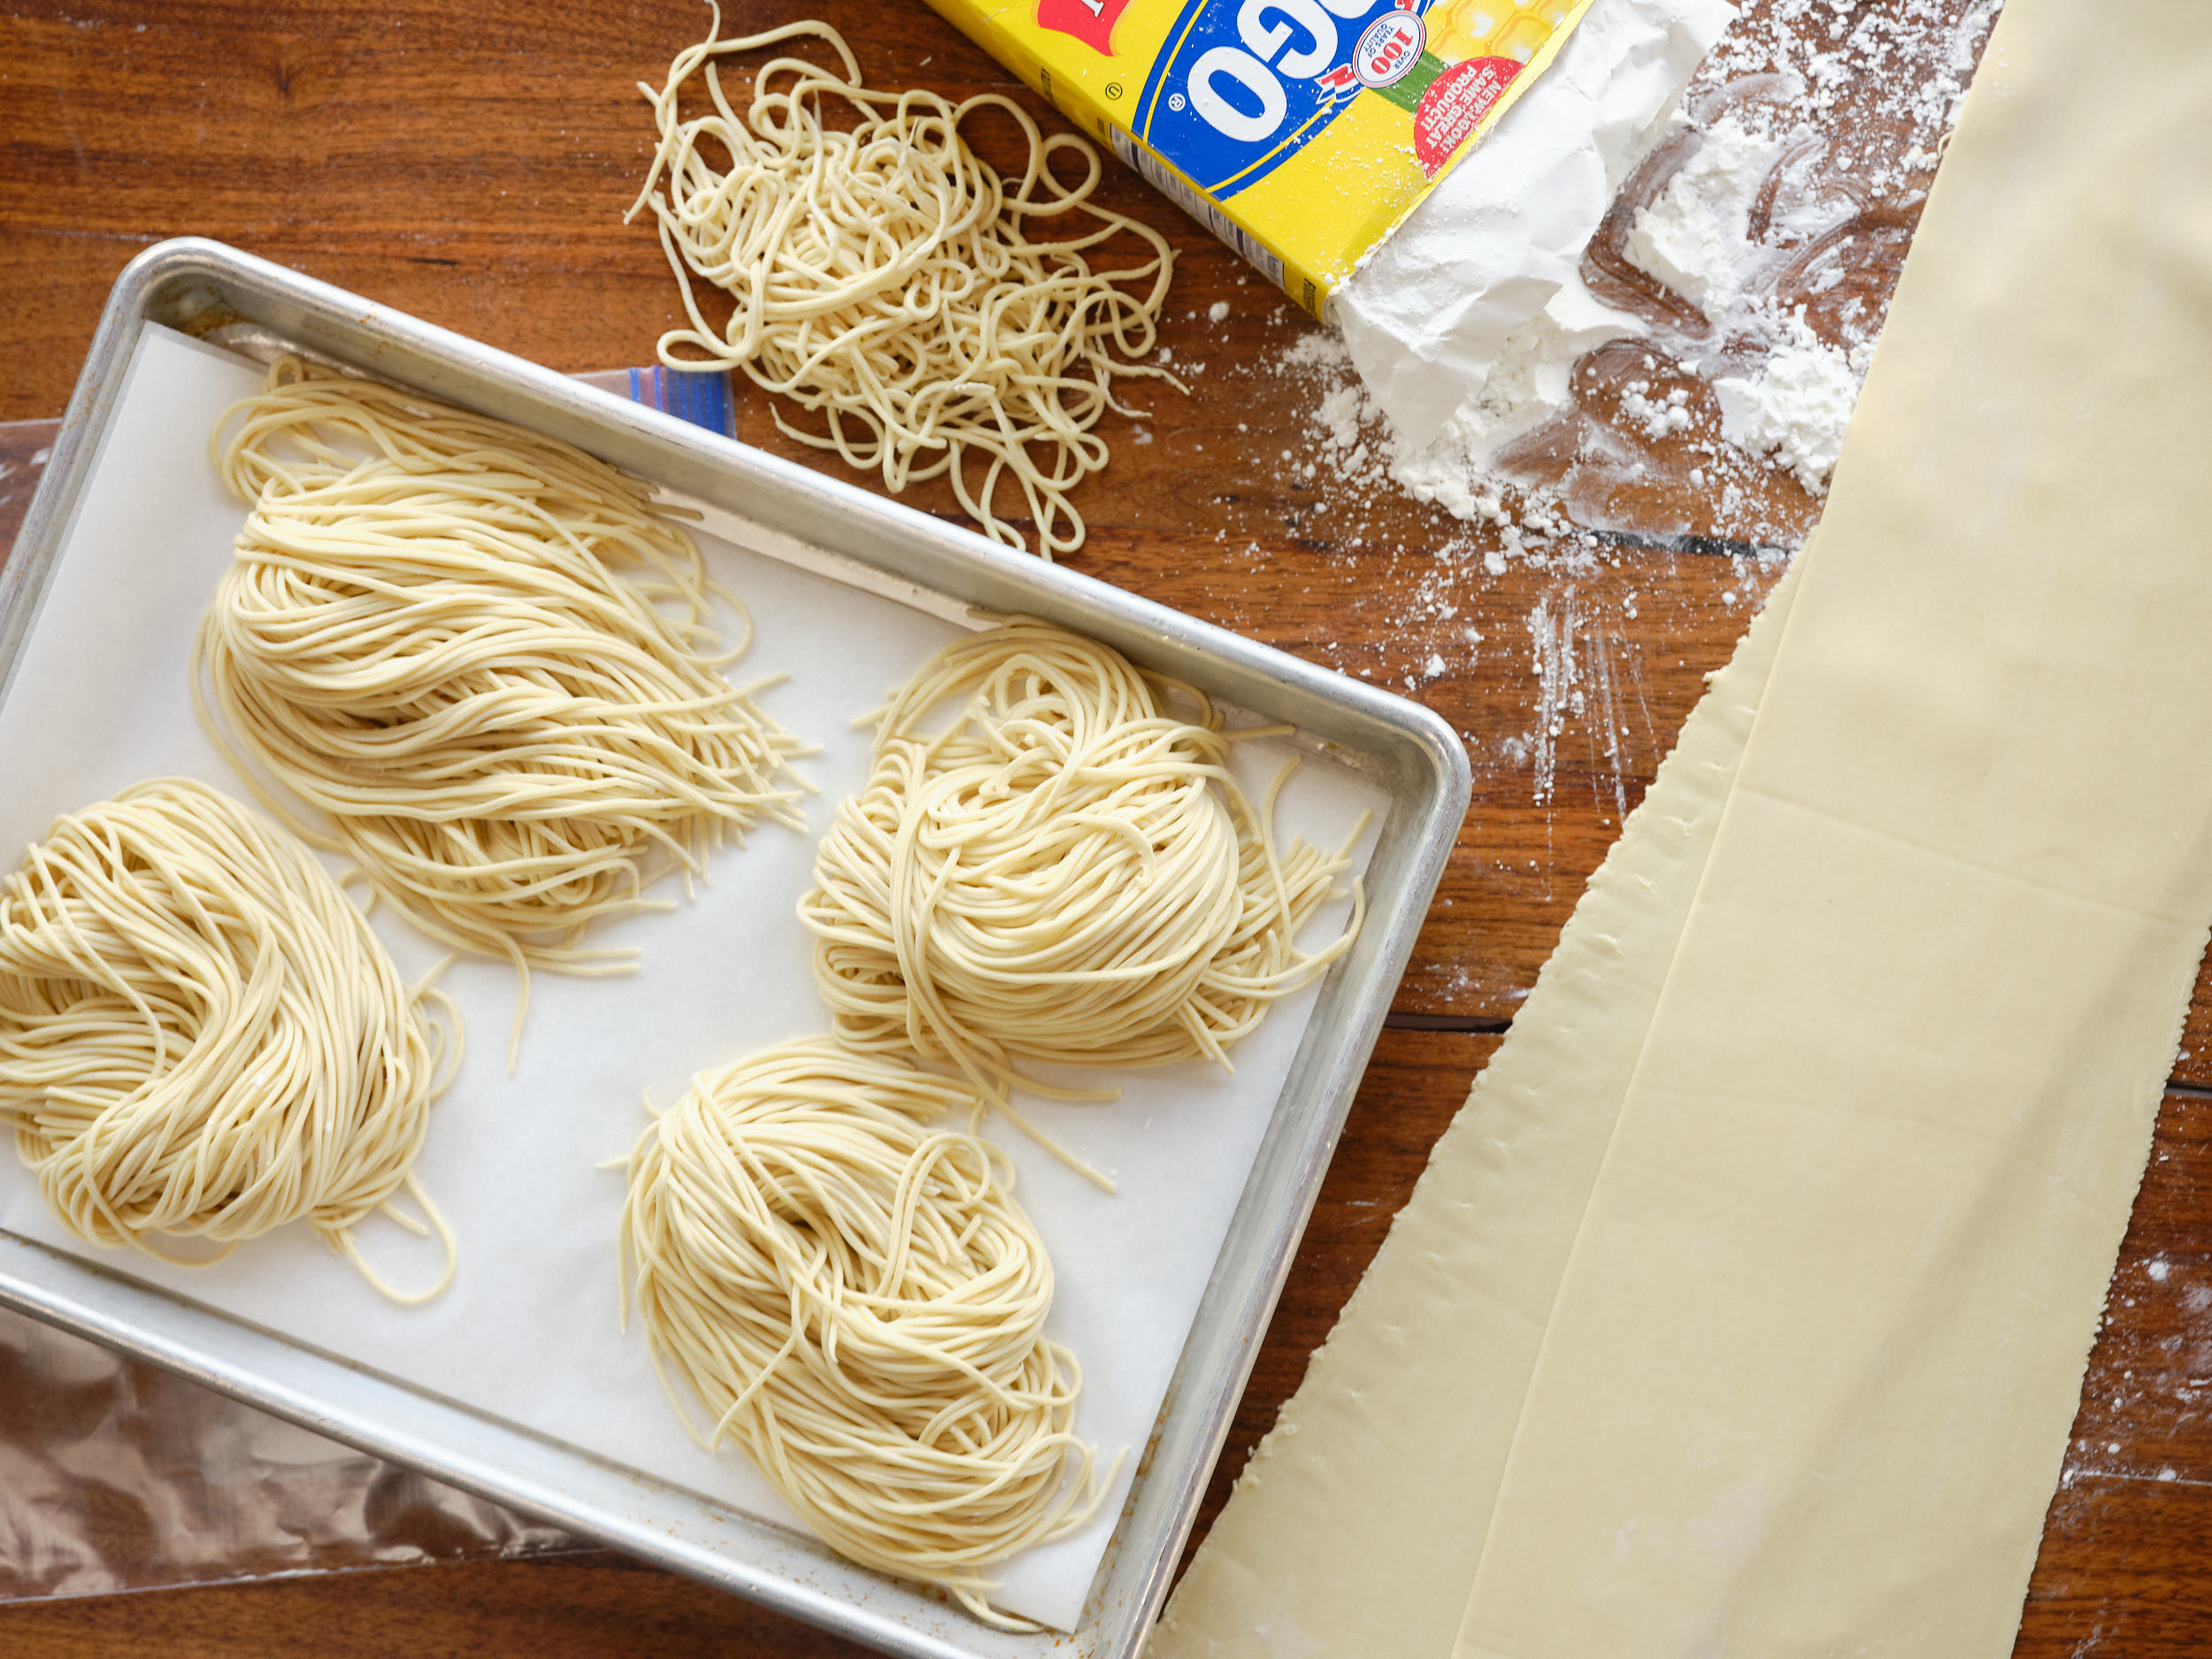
(1243, 85)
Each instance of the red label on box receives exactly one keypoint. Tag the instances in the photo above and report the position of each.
(1456, 102)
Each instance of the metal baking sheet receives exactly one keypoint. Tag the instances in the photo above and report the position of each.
(826, 530)
(517, 1153)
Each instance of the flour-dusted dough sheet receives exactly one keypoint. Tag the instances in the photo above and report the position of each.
(1354, 1529)
(1809, 1381)
(1813, 1225)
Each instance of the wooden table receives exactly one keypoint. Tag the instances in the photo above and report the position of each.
(471, 163)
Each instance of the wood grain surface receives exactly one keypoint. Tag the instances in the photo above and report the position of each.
(472, 164)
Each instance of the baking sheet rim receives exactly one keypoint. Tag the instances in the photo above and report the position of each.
(1427, 776)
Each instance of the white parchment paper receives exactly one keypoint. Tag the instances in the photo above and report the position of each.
(528, 1332)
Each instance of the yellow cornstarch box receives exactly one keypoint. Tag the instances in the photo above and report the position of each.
(1300, 131)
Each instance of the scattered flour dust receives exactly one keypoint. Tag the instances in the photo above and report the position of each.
(1757, 232)
(1693, 237)
(1352, 436)
(1805, 116)
(1655, 418)
(1795, 407)
(1531, 382)
(1794, 399)
(1584, 653)
(1575, 675)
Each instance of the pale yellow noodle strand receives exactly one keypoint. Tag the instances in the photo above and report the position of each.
(941, 321)
(1061, 873)
(855, 1297)
(483, 659)
(200, 1035)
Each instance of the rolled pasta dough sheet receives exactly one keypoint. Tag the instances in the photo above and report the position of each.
(1354, 1529)
(1809, 1381)
(1812, 1228)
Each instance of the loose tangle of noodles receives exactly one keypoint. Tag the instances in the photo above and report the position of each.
(1062, 873)
(856, 1299)
(941, 321)
(199, 1034)
(485, 659)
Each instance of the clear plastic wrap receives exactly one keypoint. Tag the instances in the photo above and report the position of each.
(116, 1475)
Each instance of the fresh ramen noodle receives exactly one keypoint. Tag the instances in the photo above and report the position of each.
(483, 659)
(1056, 870)
(849, 1289)
(939, 319)
(200, 1036)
